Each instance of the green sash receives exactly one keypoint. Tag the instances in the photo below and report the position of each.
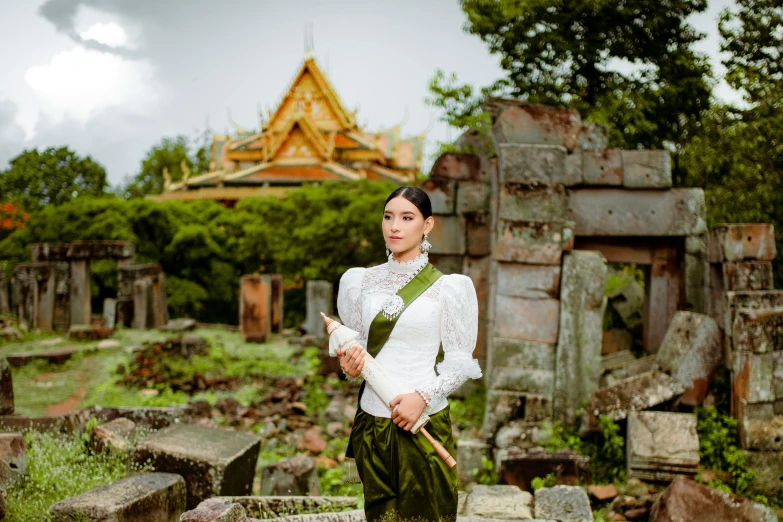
(381, 327)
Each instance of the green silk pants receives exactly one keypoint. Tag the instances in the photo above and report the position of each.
(403, 478)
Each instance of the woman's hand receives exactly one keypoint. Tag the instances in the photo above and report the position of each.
(352, 363)
(406, 409)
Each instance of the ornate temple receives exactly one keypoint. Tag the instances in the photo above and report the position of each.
(310, 137)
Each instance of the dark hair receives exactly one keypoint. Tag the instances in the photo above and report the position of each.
(416, 196)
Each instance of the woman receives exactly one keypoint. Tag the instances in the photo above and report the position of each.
(404, 310)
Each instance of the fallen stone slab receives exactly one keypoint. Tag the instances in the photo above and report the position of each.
(115, 435)
(688, 500)
(520, 468)
(662, 445)
(13, 458)
(277, 506)
(179, 325)
(741, 241)
(212, 461)
(58, 356)
(504, 502)
(6, 388)
(89, 332)
(346, 516)
(147, 497)
(563, 503)
(632, 394)
(691, 352)
(602, 493)
(293, 476)
(215, 510)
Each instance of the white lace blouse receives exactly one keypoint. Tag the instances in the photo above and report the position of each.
(446, 313)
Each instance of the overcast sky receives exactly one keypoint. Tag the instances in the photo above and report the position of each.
(110, 78)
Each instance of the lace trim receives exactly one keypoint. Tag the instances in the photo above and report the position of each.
(455, 362)
(408, 266)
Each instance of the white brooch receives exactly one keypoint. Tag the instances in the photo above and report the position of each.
(392, 307)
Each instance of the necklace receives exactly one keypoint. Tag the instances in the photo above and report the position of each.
(394, 305)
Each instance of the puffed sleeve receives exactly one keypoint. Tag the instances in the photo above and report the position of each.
(349, 304)
(459, 330)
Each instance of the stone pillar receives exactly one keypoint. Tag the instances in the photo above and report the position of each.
(255, 308)
(125, 312)
(80, 291)
(62, 295)
(141, 301)
(277, 303)
(578, 356)
(35, 289)
(46, 300)
(109, 313)
(319, 299)
(4, 304)
(6, 388)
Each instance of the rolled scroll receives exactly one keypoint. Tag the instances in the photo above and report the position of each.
(340, 336)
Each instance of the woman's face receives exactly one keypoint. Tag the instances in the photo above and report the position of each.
(404, 226)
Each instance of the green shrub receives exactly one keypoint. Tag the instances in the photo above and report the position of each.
(719, 448)
(546, 482)
(486, 474)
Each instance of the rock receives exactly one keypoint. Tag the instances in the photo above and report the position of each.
(6, 388)
(632, 394)
(89, 332)
(519, 469)
(768, 466)
(662, 445)
(469, 456)
(578, 357)
(113, 435)
(312, 441)
(273, 507)
(691, 352)
(757, 330)
(294, 476)
(215, 510)
(563, 503)
(193, 344)
(739, 242)
(335, 411)
(179, 325)
(619, 212)
(335, 429)
(109, 344)
(636, 514)
(503, 502)
(9, 332)
(13, 458)
(149, 497)
(688, 500)
(602, 493)
(213, 461)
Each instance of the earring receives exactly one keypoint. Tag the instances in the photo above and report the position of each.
(387, 252)
(425, 245)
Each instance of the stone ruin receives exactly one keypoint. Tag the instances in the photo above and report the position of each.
(534, 223)
(260, 306)
(52, 292)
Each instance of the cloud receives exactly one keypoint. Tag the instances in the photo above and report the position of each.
(11, 133)
(79, 81)
(110, 34)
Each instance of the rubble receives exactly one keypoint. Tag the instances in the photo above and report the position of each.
(115, 435)
(503, 502)
(519, 468)
(563, 503)
(294, 476)
(215, 510)
(13, 458)
(662, 445)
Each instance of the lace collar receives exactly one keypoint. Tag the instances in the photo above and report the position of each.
(408, 267)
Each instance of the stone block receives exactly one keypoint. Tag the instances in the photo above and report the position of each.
(504, 407)
(294, 476)
(622, 212)
(213, 461)
(762, 434)
(520, 468)
(632, 394)
(109, 313)
(115, 435)
(753, 377)
(739, 242)
(448, 264)
(255, 308)
(697, 270)
(503, 502)
(448, 236)
(216, 509)
(647, 169)
(459, 166)
(274, 507)
(147, 497)
(6, 388)
(628, 302)
(593, 136)
(537, 382)
(83, 250)
(527, 319)
(563, 503)
(142, 297)
(518, 435)
(574, 163)
(469, 456)
(533, 203)
(662, 445)
(13, 459)
(473, 196)
(603, 167)
(442, 193)
(319, 299)
(80, 291)
(127, 274)
(615, 340)
(534, 123)
(5, 306)
(532, 164)
(747, 275)
(768, 466)
(477, 269)
(523, 354)
(691, 352)
(688, 500)
(528, 281)
(578, 355)
(278, 302)
(758, 330)
(479, 234)
(533, 243)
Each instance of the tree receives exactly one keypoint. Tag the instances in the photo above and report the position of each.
(52, 177)
(172, 158)
(566, 52)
